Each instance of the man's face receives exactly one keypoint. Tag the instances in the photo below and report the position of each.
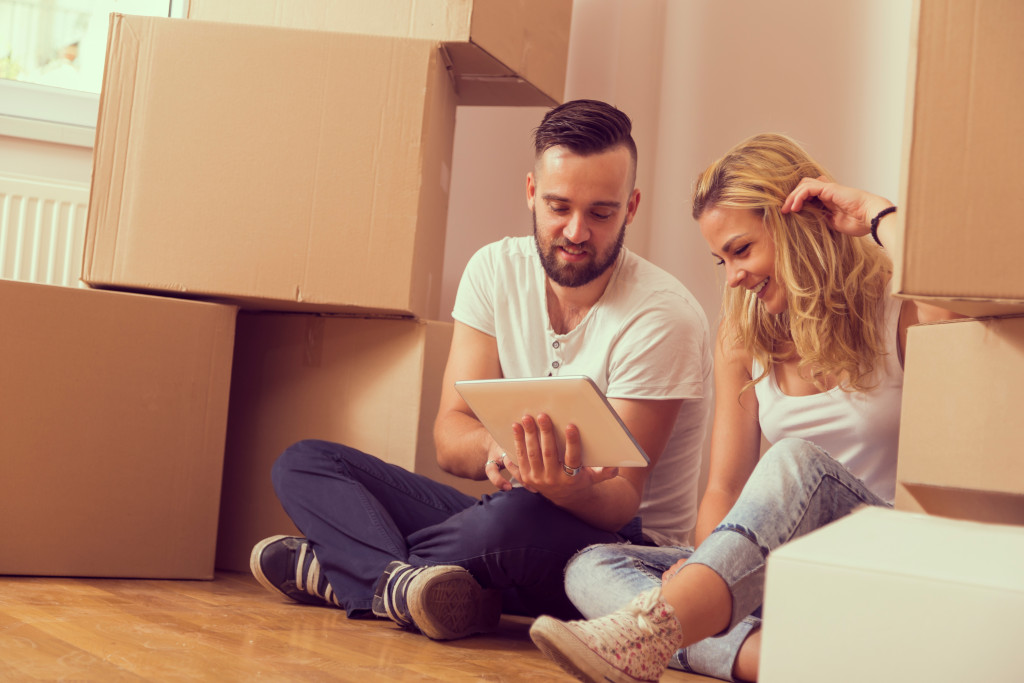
(581, 206)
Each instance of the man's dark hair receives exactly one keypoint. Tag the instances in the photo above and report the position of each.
(584, 127)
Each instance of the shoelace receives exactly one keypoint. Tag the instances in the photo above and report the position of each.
(643, 609)
(312, 576)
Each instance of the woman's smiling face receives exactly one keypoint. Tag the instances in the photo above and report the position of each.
(740, 242)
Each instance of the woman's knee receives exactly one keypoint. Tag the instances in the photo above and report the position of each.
(602, 578)
(792, 454)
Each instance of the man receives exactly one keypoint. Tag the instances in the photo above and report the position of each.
(569, 300)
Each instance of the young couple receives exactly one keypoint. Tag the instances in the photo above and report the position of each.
(810, 344)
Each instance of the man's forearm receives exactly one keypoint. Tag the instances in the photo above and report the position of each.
(463, 445)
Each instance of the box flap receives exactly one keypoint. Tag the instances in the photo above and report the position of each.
(504, 52)
(960, 503)
(531, 37)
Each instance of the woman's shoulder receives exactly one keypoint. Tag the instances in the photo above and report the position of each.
(730, 349)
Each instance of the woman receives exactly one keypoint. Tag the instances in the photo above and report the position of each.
(810, 344)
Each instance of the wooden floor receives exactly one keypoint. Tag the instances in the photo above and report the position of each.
(231, 629)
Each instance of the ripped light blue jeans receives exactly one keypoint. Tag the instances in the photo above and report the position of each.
(795, 489)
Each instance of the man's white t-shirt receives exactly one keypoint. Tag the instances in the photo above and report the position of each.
(646, 338)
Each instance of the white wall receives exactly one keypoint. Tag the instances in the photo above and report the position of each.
(831, 74)
(697, 76)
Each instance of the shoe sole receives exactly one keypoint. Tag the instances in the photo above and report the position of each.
(564, 648)
(446, 604)
(257, 571)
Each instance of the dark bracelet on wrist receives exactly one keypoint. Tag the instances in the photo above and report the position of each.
(874, 223)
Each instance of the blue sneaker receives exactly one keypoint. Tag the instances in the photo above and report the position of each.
(443, 602)
(287, 565)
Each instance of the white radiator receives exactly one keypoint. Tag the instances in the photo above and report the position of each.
(42, 230)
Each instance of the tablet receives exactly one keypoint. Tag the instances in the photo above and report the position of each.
(570, 399)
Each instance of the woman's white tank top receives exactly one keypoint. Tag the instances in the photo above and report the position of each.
(860, 430)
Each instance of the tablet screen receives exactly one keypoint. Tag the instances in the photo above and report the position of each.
(571, 399)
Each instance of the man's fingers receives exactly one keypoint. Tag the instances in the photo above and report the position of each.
(573, 447)
(548, 443)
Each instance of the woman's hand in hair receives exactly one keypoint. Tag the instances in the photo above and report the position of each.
(850, 209)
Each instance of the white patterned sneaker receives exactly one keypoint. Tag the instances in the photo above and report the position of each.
(632, 645)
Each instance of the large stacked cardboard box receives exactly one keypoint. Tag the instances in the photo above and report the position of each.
(906, 587)
(291, 169)
(957, 229)
(112, 428)
(961, 435)
(276, 168)
(955, 247)
(293, 159)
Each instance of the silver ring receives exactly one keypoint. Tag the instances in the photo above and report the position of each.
(571, 471)
(499, 463)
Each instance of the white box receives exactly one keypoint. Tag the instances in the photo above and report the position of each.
(885, 595)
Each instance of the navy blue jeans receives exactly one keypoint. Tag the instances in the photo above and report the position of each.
(360, 513)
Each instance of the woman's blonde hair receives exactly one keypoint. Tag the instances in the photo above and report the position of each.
(834, 283)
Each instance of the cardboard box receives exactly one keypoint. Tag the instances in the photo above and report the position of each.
(884, 595)
(956, 236)
(501, 52)
(372, 384)
(112, 423)
(278, 169)
(961, 431)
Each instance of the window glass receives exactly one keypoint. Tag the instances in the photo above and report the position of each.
(62, 43)
(52, 54)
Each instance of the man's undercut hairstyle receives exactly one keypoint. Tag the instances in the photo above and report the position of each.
(584, 127)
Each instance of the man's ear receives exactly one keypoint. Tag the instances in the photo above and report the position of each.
(531, 190)
(631, 205)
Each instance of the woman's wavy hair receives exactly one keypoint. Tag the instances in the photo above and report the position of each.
(834, 283)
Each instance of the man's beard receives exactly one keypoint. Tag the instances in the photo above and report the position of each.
(576, 274)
